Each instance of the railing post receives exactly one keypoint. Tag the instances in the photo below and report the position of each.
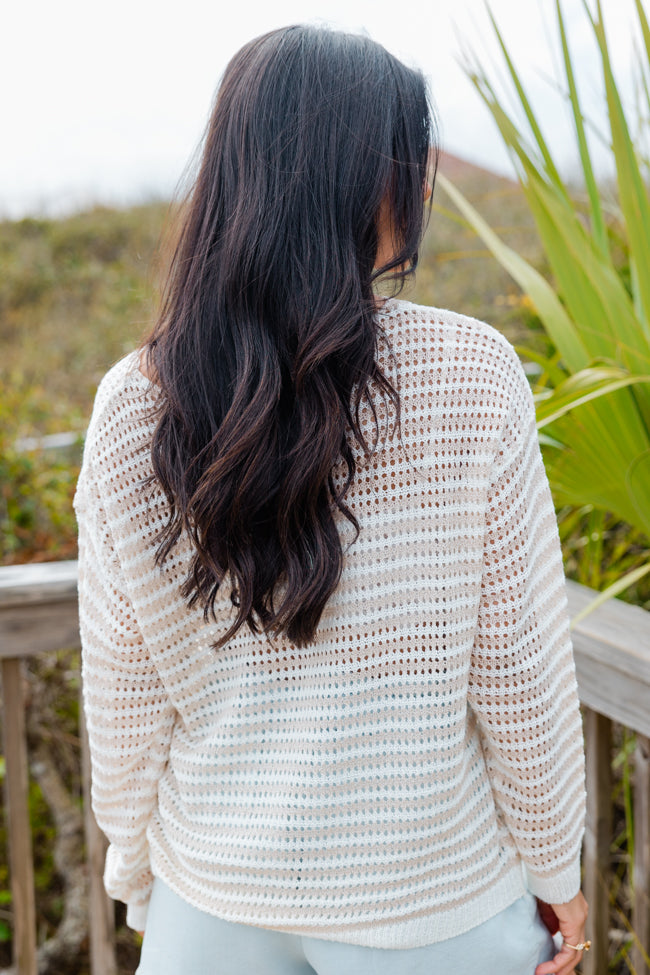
(641, 869)
(19, 828)
(598, 836)
(101, 909)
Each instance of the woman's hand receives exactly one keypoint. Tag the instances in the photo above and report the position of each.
(572, 918)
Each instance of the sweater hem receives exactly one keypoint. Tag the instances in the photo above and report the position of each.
(136, 915)
(414, 932)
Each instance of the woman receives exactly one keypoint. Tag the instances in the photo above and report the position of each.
(328, 679)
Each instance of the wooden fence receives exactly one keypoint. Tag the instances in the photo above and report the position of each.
(38, 614)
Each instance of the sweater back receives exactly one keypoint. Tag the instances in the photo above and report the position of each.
(419, 765)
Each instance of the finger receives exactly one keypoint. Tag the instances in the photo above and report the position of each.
(563, 963)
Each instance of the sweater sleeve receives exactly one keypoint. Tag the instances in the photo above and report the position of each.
(523, 687)
(128, 714)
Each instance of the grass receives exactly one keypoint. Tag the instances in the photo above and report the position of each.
(75, 295)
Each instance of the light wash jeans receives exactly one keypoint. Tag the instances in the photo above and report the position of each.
(181, 940)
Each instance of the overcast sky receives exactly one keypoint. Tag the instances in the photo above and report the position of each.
(106, 102)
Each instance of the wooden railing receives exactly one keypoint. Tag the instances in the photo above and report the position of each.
(38, 614)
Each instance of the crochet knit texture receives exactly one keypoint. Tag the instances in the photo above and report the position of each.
(419, 765)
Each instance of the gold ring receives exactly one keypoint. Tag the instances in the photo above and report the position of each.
(583, 946)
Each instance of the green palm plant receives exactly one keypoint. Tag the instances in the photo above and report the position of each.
(593, 397)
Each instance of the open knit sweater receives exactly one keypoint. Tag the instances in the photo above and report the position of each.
(419, 765)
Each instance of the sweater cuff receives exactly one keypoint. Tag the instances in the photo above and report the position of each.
(559, 888)
(136, 915)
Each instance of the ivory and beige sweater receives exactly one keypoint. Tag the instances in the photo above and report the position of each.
(416, 768)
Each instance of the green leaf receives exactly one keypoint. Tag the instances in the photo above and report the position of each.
(549, 365)
(645, 27)
(617, 587)
(595, 295)
(600, 234)
(549, 308)
(632, 191)
(510, 132)
(546, 441)
(582, 387)
(604, 438)
(530, 115)
(637, 480)
(596, 436)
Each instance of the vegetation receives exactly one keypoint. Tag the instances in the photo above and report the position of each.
(593, 392)
(75, 295)
(593, 388)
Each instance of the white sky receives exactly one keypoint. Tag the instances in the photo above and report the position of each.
(106, 102)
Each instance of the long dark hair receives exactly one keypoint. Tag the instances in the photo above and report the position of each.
(266, 342)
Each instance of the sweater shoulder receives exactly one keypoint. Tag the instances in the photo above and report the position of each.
(121, 424)
(479, 350)
(122, 401)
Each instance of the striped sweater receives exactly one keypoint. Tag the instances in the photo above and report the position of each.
(419, 765)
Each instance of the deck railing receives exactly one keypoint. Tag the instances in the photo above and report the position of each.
(38, 614)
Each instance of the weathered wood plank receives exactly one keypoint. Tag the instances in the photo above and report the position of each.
(598, 838)
(38, 628)
(641, 872)
(604, 687)
(19, 828)
(612, 654)
(41, 582)
(615, 624)
(101, 909)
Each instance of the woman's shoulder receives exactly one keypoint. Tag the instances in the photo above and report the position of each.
(118, 377)
(476, 343)
(122, 412)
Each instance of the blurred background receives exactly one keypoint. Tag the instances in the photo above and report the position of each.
(104, 103)
(540, 225)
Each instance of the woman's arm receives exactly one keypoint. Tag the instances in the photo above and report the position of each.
(128, 714)
(523, 687)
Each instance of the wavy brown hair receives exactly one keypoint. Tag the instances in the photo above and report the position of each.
(265, 347)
